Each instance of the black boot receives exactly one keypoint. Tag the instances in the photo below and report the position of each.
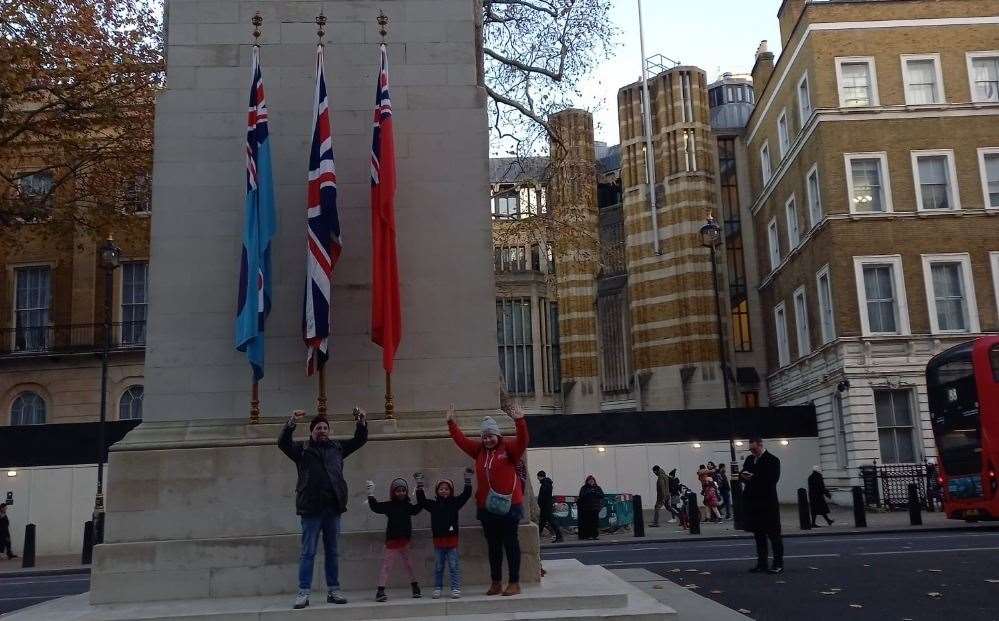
(380, 595)
(416, 590)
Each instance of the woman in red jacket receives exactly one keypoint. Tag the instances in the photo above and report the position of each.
(499, 493)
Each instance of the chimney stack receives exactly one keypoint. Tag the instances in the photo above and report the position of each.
(762, 69)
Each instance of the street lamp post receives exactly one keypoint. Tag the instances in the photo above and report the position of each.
(110, 256)
(711, 235)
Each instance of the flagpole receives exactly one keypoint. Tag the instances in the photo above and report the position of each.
(257, 20)
(321, 371)
(383, 21)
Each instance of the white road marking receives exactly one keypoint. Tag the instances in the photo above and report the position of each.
(927, 551)
(715, 560)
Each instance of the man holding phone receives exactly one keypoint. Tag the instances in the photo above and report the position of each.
(320, 495)
(760, 474)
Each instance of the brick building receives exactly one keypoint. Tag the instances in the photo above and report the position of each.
(874, 150)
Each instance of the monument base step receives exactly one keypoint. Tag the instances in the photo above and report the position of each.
(570, 590)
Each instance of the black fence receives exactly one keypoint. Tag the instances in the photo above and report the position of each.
(71, 338)
(887, 485)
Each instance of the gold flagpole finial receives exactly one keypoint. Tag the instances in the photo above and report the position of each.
(321, 22)
(383, 21)
(257, 21)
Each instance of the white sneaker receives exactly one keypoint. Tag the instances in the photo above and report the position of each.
(301, 600)
(436, 594)
(455, 593)
(673, 521)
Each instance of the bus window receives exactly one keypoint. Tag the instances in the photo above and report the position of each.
(994, 358)
(954, 412)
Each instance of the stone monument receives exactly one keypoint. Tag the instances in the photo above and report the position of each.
(200, 520)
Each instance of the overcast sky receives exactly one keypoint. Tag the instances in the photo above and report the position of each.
(715, 35)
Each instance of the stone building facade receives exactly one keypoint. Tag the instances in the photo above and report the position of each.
(874, 150)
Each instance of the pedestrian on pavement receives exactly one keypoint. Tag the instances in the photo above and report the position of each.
(589, 503)
(662, 496)
(724, 490)
(546, 507)
(5, 545)
(399, 511)
(320, 496)
(711, 500)
(760, 474)
(499, 493)
(817, 495)
(443, 512)
(675, 495)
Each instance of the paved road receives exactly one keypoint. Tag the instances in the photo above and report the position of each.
(18, 592)
(918, 576)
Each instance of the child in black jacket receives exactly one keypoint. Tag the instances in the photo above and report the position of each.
(398, 532)
(444, 524)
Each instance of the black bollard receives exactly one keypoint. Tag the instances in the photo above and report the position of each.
(738, 521)
(693, 514)
(915, 513)
(804, 511)
(639, 520)
(88, 543)
(28, 551)
(859, 510)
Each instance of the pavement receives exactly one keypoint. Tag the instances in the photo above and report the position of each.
(871, 576)
(883, 522)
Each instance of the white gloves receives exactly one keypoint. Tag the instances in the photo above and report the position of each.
(371, 488)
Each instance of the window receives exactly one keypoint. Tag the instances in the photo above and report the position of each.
(773, 239)
(839, 427)
(551, 368)
(988, 161)
(814, 193)
(612, 326)
(983, 75)
(36, 186)
(32, 297)
(923, 80)
(857, 78)
(765, 162)
(881, 294)
(130, 405)
(510, 258)
(950, 293)
(742, 338)
(28, 409)
(793, 232)
(827, 320)
(506, 205)
(935, 180)
(780, 326)
(685, 93)
(134, 298)
(801, 323)
(514, 334)
(895, 429)
(867, 182)
(804, 101)
(783, 134)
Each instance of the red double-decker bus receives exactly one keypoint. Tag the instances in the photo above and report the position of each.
(963, 389)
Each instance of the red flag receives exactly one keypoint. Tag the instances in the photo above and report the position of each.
(386, 314)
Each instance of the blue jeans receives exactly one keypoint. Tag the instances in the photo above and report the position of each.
(449, 556)
(328, 523)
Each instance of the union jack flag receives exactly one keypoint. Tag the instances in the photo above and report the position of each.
(323, 231)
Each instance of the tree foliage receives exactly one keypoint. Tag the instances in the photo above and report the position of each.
(78, 79)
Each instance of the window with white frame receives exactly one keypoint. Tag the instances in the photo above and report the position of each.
(804, 101)
(793, 231)
(896, 432)
(827, 320)
(988, 162)
(950, 293)
(857, 81)
(814, 193)
(515, 339)
(134, 301)
(801, 329)
(983, 74)
(935, 180)
(28, 408)
(839, 427)
(923, 79)
(780, 327)
(881, 295)
(765, 164)
(32, 298)
(867, 182)
(773, 239)
(130, 404)
(783, 134)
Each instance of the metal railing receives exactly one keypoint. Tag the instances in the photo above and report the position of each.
(71, 338)
(887, 485)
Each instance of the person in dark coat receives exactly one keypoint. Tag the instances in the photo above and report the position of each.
(662, 496)
(5, 546)
(760, 474)
(320, 495)
(817, 494)
(589, 503)
(398, 533)
(443, 512)
(725, 490)
(546, 507)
